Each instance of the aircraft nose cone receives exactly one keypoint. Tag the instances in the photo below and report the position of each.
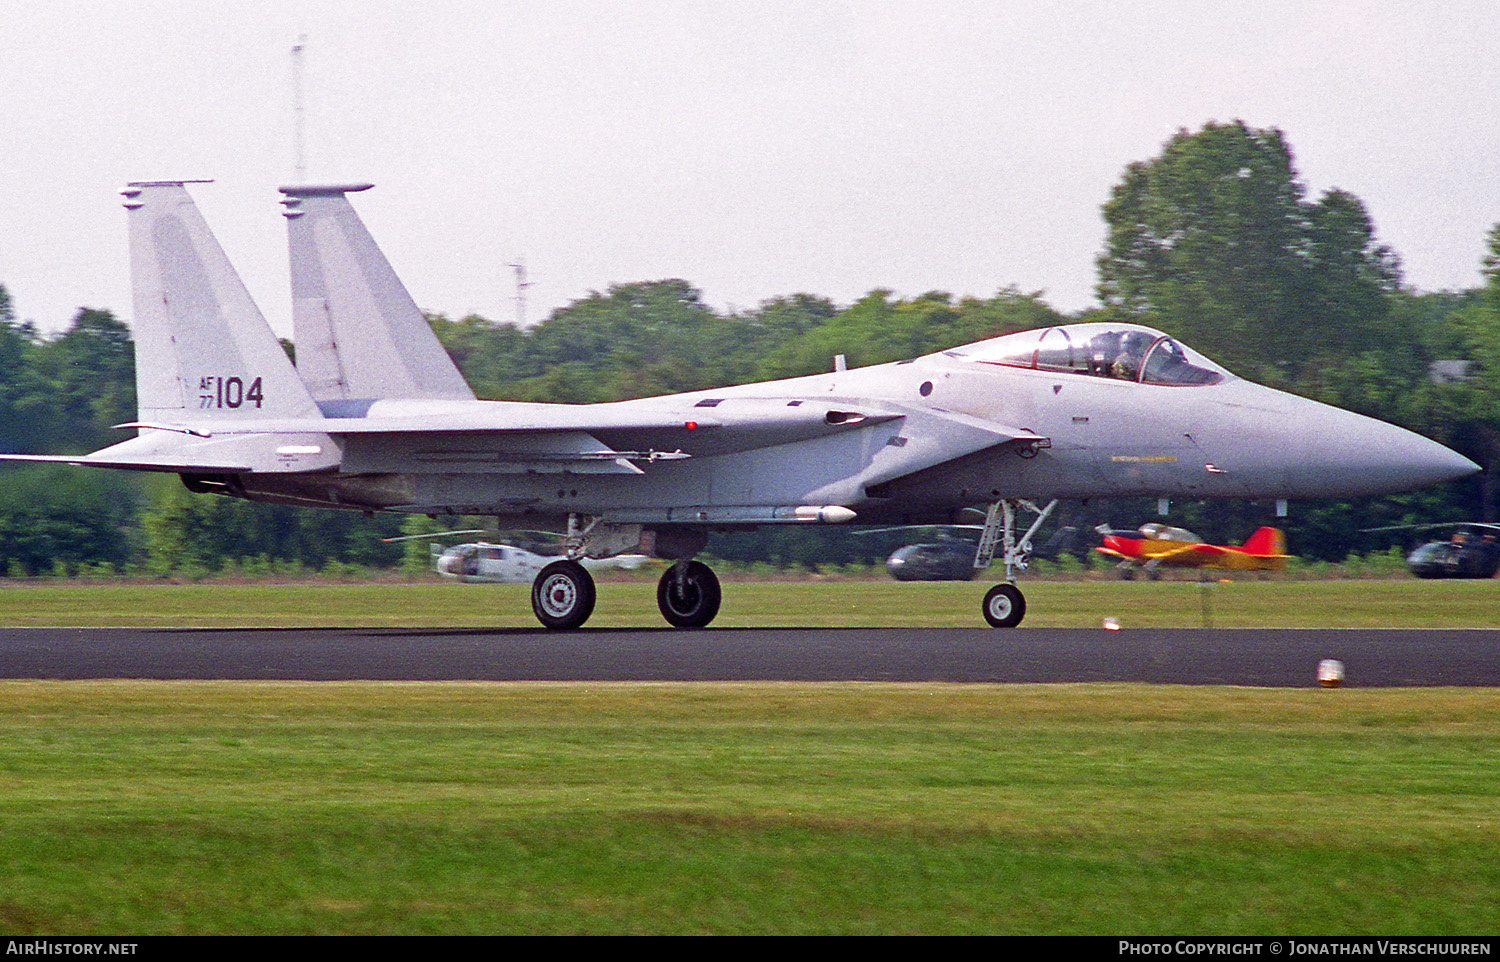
(1352, 455)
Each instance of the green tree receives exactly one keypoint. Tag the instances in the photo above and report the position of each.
(1213, 241)
(1475, 403)
(489, 355)
(90, 374)
(55, 519)
(200, 533)
(879, 328)
(28, 414)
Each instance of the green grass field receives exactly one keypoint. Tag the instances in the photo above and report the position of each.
(632, 603)
(248, 807)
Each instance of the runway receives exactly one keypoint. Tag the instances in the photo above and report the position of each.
(1254, 657)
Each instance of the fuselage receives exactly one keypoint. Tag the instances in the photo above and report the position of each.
(890, 442)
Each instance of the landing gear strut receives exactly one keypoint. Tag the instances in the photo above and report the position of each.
(1004, 605)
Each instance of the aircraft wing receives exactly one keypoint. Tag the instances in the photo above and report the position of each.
(612, 437)
(778, 418)
(1190, 555)
(1220, 556)
(438, 436)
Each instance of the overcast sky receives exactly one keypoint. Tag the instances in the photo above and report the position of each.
(755, 149)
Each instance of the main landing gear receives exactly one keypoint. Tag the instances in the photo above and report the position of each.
(563, 595)
(1004, 605)
(688, 594)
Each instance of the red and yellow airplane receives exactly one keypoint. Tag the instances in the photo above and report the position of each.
(1160, 545)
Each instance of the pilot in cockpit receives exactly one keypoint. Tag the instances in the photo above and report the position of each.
(1132, 352)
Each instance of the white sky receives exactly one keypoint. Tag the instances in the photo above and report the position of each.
(753, 148)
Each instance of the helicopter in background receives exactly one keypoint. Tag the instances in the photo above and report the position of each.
(486, 562)
(507, 564)
(950, 560)
(1471, 551)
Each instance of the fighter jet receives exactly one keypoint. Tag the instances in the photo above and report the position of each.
(376, 418)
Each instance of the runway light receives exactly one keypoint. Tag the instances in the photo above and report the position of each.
(1111, 623)
(1330, 673)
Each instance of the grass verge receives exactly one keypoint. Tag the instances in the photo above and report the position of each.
(158, 808)
(1051, 604)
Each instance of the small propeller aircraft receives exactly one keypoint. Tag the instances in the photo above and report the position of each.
(1160, 546)
(1471, 551)
(375, 416)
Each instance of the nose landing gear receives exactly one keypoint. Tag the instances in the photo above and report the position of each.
(1004, 605)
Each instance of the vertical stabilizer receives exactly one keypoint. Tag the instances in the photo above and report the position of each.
(358, 332)
(203, 351)
(1266, 541)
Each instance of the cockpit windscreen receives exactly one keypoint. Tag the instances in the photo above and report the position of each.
(1122, 352)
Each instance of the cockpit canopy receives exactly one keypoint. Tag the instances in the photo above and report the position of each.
(1122, 352)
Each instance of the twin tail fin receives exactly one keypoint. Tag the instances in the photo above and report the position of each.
(359, 334)
(204, 353)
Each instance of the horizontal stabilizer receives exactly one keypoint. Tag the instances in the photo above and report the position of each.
(97, 460)
(195, 453)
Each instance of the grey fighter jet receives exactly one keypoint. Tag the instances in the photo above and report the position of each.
(377, 418)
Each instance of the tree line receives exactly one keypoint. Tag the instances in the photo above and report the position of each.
(1213, 241)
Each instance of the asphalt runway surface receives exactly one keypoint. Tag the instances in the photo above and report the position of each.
(1194, 656)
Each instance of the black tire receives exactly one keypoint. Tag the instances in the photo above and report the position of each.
(1004, 606)
(688, 594)
(563, 595)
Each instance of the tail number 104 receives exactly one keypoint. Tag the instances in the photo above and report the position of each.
(228, 392)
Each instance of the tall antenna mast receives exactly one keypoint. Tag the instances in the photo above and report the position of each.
(521, 284)
(299, 147)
